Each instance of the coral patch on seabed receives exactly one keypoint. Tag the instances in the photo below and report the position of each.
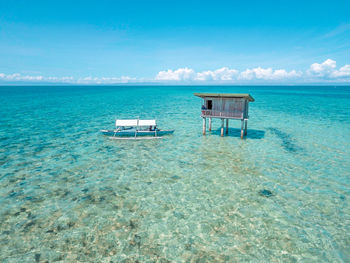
(287, 141)
(265, 193)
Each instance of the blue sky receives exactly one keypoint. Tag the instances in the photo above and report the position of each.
(175, 41)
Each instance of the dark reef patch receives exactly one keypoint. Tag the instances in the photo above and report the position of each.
(28, 225)
(265, 193)
(287, 142)
(132, 224)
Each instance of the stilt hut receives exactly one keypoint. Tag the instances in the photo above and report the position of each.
(225, 106)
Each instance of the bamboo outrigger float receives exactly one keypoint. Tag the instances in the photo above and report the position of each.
(225, 106)
(136, 129)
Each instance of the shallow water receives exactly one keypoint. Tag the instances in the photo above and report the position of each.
(69, 194)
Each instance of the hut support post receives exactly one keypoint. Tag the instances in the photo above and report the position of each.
(242, 130)
(209, 124)
(245, 126)
(204, 125)
(222, 127)
(226, 126)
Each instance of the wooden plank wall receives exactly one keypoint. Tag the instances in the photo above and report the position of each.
(236, 106)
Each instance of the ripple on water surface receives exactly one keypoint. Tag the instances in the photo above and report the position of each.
(67, 193)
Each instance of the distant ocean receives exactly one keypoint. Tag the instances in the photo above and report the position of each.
(68, 193)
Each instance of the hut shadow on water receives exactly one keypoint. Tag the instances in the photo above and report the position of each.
(236, 132)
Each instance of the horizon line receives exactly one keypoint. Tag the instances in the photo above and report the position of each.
(173, 85)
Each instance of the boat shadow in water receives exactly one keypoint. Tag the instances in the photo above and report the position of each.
(235, 132)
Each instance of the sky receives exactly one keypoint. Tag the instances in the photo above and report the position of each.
(176, 42)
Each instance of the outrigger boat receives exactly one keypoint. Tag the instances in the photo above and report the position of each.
(133, 129)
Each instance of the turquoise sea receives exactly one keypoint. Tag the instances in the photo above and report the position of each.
(69, 194)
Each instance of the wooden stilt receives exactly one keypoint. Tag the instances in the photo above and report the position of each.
(245, 126)
(209, 124)
(242, 131)
(204, 125)
(222, 127)
(226, 126)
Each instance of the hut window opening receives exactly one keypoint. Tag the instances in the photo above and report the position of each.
(209, 104)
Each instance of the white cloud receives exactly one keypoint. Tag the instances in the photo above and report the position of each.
(268, 74)
(19, 77)
(317, 72)
(222, 74)
(177, 75)
(105, 80)
(186, 74)
(59, 79)
(343, 28)
(327, 70)
(343, 72)
(16, 77)
(324, 69)
(225, 75)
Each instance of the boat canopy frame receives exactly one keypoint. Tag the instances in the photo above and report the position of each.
(135, 123)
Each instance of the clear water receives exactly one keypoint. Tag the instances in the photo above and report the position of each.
(69, 194)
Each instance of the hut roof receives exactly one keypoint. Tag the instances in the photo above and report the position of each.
(225, 95)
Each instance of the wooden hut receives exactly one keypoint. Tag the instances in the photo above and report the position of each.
(225, 106)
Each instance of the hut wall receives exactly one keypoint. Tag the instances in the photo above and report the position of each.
(228, 107)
